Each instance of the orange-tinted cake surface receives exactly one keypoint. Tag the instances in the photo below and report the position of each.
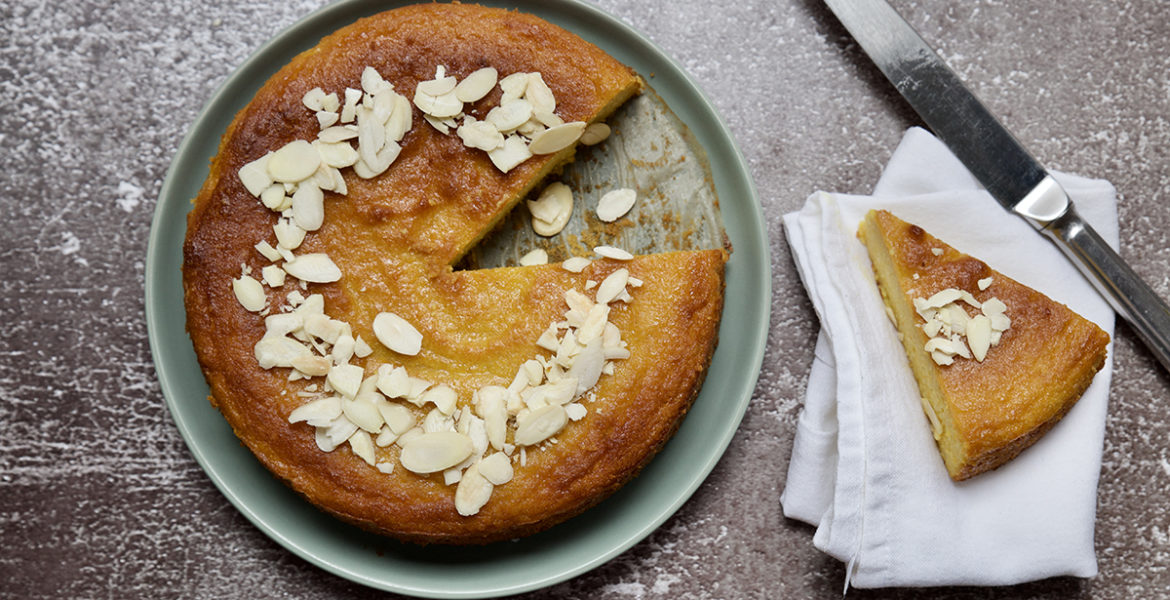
(985, 412)
(394, 238)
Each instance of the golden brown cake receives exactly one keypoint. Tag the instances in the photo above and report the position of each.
(393, 239)
(996, 378)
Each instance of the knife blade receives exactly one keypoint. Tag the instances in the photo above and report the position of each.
(1009, 172)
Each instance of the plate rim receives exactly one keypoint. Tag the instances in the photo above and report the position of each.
(313, 26)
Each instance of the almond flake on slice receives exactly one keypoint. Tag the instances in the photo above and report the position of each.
(614, 253)
(510, 115)
(349, 109)
(539, 425)
(473, 492)
(556, 138)
(311, 365)
(313, 268)
(513, 86)
(496, 468)
(397, 334)
(612, 285)
(397, 417)
(434, 452)
(337, 134)
(372, 81)
(346, 379)
(512, 153)
(278, 351)
(308, 207)
(314, 99)
(400, 119)
(288, 234)
(294, 162)
(250, 293)
(476, 85)
(362, 446)
(255, 176)
(539, 94)
(266, 250)
(443, 397)
(337, 154)
(575, 264)
(364, 414)
(480, 134)
(615, 204)
(535, 257)
(317, 413)
(273, 276)
(326, 119)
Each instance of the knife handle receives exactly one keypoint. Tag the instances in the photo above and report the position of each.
(1125, 291)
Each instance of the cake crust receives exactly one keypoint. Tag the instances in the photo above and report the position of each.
(395, 239)
(989, 411)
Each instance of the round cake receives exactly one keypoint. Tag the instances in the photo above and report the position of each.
(430, 404)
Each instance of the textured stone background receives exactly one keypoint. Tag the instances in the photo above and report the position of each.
(98, 494)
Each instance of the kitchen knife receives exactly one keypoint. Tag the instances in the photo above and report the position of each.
(1000, 163)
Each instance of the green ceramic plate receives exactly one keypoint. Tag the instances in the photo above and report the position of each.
(503, 568)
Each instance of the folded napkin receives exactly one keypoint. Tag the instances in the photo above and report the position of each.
(865, 469)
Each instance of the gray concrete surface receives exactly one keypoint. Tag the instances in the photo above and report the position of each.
(99, 497)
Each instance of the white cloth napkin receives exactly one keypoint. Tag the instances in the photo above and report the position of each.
(865, 469)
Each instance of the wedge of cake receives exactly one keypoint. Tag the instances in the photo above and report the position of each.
(399, 394)
(998, 364)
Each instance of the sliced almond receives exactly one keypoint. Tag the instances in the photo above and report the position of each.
(318, 412)
(477, 85)
(508, 116)
(614, 253)
(552, 209)
(480, 134)
(397, 417)
(397, 334)
(511, 154)
(362, 446)
(311, 365)
(539, 94)
(434, 452)
(346, 379)
(364, 414)
(288, 234)
(555, 139)
(535, 257)
(575, 264)
(539, 425)
(613, 284)
(473, 492)
(595, 133)
(443, 397)
(278, 351)
(308, 207)
(615, 204)
(313, 268)
(336, 134)
(514, 87)
(249, 293)
(294, 162)
(314, 99)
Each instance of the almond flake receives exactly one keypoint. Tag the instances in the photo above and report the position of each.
(288, 234)
(296, 161)
(346, 379)
(480, 134)
(612, 252)
(556, 138)
(349, 109)
(552, 209)
(273, 276)
(397, 334)
(314, 99)
(273, 197)
(362, 446)
(313, 268)
(595, 133)
(326, 118)
(477, 85)
(255, 176)
(984, 283)
(496, 468)
(313, 366)
(363, 414)
(443, 397)
(438, 106)
(372, 81)
(250, 293)
(612, 284)
(398, 418)
(535, 257)
(510, 115)
(394, 382)
(266, 250)
(278, 351)
(473, 492)
(308, 207)
(615, 204)
(539, 94)
(512, 153)
(514, 87)
(336, 134)
(434, 452)
(575, 264)
(539, 425)
(318, 412)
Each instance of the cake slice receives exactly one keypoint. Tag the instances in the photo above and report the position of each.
(998, 364)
